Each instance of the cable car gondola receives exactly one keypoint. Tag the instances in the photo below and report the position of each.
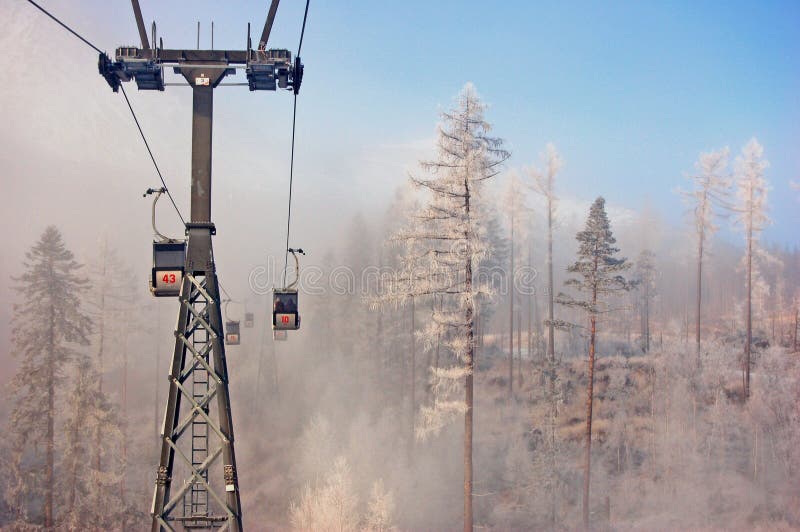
(232, 333)
(248, 320)
(285, 316)
(284, 310)
(169, 258)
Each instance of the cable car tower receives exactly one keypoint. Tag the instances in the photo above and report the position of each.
(198, 425)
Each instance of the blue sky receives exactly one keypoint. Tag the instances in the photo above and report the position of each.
(630, 92)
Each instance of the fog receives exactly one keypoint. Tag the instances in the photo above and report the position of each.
(357, 421)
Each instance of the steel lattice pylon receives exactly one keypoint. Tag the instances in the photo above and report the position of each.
(197, 376)
(198, 373)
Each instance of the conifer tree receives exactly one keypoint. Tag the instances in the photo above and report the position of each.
(598, 274)
(48, 325)
(710, 190)
(445, 243)
(90, 500)
(543, 183)
(751, 216)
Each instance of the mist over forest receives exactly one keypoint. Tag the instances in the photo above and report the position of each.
(487, 340)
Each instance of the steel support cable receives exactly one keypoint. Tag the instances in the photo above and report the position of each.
(76, 34)
(291, 160)
(139, 127)
(150, 152)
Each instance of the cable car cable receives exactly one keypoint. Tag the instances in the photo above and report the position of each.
(150, 152)
(147, 145)
(303, 29)
(75, 33)
(224, 291)
(291, 159)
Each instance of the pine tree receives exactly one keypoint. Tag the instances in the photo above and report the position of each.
(598, 275)
(445, 244)
(710, 191)
(47, 327)
(751, 216)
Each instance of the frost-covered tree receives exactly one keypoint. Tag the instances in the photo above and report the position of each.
(445, 243)
(751, 216)
(645, 281)
(598, 274)
(380, 509)
(514, 207)
(543, 183)
(708, 193)
(112, 301)
(330, 506)
(492, 266)
(48, 326)
(90, 498)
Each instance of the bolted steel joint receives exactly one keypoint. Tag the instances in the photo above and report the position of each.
(230, 477)
(162, 479)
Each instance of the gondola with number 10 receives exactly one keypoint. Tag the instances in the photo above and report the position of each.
(285, 315)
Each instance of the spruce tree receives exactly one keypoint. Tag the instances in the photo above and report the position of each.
(48, 325)
(598, 274)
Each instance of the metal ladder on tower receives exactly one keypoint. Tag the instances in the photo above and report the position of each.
(196, 501)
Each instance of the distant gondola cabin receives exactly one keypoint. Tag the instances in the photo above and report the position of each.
(248, 320)
(168, 263)
(232, 333)
(284, 310)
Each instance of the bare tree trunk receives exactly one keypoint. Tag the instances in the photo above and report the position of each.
(749, 340)
(275, 381)
(430, 364)
(530, 304)
(379, 352)
(413, 379)
(551, 356)
(49, 472)
(124, 423)
(519, 350)
(403, 378)
(589, 397)
(157, 375)
(699, 294)
(647, 318)
(98, 438)
(470, 316)
(511, 318)
(794, 341)
(75, 435)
